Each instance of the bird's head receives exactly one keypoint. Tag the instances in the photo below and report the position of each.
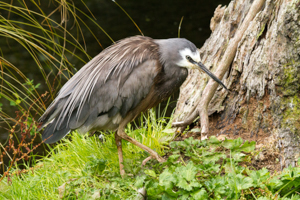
(183, 53)
(187, 55)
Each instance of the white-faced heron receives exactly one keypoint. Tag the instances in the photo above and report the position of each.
(125, 79)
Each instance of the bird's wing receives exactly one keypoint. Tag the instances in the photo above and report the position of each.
(114, 78)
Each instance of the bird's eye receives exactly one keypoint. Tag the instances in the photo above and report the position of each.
(189, 58)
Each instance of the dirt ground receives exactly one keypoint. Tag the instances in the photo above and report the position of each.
(222, 128)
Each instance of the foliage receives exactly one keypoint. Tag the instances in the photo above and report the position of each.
(212, 169)
(85, 168)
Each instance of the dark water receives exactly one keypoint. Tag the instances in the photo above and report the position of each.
(156, 18)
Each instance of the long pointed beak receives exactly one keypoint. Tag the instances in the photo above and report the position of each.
(210, 74)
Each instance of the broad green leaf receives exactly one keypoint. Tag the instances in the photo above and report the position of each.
(200, 195)
(185, 196)
(232, 144)
(247, 146)
(150, 172)
(213, 158)
(173, 158)
(167, 179)
(275, 183)
(187, 172)
(260, 177)
(243, 182)
(172, 193)
(214, 140)
(184, 185)
(187, 186)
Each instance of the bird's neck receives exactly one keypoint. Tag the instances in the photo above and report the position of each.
(170, 79)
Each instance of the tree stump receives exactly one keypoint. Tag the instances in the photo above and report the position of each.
(263, 75)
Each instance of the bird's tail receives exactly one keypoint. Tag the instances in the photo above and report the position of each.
(54, 133)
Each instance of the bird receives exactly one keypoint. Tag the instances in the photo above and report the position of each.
(125, 79)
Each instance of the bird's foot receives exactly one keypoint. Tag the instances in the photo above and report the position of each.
(157, 157)
(178, 124)
(146, 160)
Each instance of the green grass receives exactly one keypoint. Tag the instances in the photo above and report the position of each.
(85, 164)
(83, 167)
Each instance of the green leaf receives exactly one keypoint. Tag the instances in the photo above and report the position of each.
(275, 183)
(12, 103)
(237, 155)
(213, 158)
(150, 172)
(200, 194)
(187, 172)
(243, 182)
(37, 85)
(139, 181)
(185, 196)
(260, 177)
(184, 185)
(167, 179)
(232, 144)
(247, 146)
(214, 140)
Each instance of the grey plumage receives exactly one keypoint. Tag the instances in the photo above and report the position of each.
(104, 84)
(125, 79)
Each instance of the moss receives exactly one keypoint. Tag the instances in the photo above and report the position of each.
(290, 102)
(291, 116)
(290, 80)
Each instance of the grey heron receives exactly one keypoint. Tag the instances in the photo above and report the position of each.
(125, 79)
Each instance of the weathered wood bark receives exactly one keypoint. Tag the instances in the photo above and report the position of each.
(264, 76)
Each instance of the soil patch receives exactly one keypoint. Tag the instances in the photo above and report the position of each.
(252, 124)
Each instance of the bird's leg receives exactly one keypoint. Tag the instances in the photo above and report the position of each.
(120, 153)
(124, 136)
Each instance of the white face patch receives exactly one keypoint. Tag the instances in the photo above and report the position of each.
(184, 62)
